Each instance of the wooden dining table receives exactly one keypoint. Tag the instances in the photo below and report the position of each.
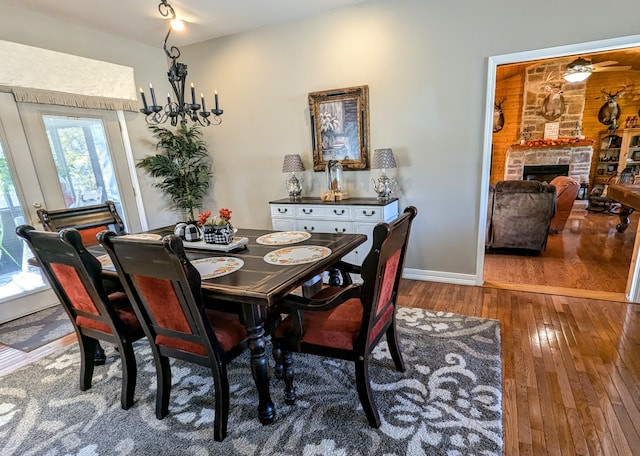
(628, 195)
(259, 285)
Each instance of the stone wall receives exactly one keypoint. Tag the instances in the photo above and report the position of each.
(577, 157)
(540, 80)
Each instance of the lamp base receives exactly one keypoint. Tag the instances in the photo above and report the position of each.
(294, 187)
(383, 187)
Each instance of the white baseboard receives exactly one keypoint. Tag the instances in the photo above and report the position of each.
(437, 276)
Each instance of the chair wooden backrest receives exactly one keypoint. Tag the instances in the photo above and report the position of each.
(88, 220)
(381, 273)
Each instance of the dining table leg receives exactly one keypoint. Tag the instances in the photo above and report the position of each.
(253, 319)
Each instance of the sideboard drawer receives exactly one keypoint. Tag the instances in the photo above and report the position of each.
(376, 214)
(324, 212)
(325, 226)
(281, 211)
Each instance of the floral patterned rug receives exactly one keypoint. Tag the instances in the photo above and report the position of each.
(448, 402)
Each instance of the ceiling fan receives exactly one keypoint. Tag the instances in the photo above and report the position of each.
(581, 68)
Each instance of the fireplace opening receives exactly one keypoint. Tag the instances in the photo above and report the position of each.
(544, 173)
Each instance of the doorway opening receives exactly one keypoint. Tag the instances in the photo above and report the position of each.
(527, 59)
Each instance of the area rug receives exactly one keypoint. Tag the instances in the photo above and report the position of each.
(37, 329)
(448, 402)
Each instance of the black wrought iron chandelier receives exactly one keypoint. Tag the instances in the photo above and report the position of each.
(178, 108)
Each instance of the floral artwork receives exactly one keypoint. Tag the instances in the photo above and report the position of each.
(340, 127)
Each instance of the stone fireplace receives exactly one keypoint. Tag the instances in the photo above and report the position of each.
(577, 157)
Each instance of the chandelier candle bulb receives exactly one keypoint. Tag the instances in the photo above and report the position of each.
(215, 96)
(153, 95)
(193, 94)
(204, 109)
(144, 100)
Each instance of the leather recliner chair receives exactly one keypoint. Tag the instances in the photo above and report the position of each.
(520, 214)
(566, 192)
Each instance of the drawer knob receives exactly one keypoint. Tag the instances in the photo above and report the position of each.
(344, 230)
(309, 229)
(307, 211)
(282, 211)
(369, 215)
(335, 211)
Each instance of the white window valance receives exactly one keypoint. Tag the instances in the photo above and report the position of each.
(36, 75)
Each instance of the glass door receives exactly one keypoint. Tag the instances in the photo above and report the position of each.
(79, 156)
(23, 290)
(53, 157)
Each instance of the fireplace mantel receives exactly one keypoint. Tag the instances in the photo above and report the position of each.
(551, 144)
(577, 156)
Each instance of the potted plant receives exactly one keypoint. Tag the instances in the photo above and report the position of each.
(182, 166)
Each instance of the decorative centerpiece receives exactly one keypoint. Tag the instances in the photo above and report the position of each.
(216, 230)
(335, 190)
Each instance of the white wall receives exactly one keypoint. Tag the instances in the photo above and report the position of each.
(426, 66)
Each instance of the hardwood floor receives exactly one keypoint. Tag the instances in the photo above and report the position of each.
(570, 366)
(591, 260)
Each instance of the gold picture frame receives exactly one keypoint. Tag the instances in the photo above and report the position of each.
(340, 127)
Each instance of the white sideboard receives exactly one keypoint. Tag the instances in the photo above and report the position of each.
(355, 215)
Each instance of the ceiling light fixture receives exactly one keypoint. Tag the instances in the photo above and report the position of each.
(177, 75)
(578, 70)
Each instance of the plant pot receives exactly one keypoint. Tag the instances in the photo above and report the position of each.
(218, 234)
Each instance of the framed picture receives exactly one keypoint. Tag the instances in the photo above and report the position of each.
(340, 127)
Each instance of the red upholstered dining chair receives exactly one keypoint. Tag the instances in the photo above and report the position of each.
(88, 220)
(76, 277)
(165, 291)
(347, 322)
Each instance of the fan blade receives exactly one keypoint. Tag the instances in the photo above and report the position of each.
(616, 68)
(603, 64)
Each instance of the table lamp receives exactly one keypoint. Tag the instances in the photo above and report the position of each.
(293, 164)
(383, 159)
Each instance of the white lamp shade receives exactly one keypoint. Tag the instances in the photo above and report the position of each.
(383, 159)
(578, 70)
(577, 76)
(292, 163)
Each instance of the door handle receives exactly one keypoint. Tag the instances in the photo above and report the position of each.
(37, 205)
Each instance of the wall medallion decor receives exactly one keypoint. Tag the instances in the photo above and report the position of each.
(340, 127)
